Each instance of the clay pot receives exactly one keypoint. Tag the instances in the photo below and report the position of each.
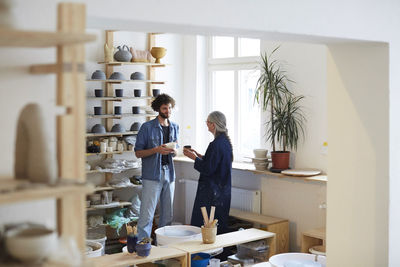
(280, 160)
(98, 75)
(123, 55)
(158, 53)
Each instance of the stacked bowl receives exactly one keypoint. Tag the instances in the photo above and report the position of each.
(260, 159)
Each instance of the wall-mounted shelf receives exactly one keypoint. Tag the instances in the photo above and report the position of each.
(111, 98)
(121, 204)
(108, 153)
(21, 190)
(115, 63)
(111, 134)
(102, 171)
(128, 81)
(17, 38)
(112, 116)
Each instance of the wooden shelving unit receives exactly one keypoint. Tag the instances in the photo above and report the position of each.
(110, 134)
(113, 116)
(128, 81)
(41, 39)
(109, 153)
(121, 205)
(115, 63)
(69, 41)
(101, 171)
(119, 99)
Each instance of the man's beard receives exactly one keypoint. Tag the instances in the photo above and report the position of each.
(163, 115)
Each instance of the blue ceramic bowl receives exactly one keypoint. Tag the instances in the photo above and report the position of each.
(143, 250)
(117, 76)
(118, 128)
(98, 75)
(137, 76)
(98, 128)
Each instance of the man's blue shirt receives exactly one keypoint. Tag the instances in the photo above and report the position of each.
(151, 135)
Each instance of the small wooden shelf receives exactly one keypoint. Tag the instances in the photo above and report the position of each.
(113, 116)
(116, 63)
(313, 237)
(121, 204)
(103, 188)
(108, 153)
(111, 134)
(18, 38)
(128, 81)
(111, 98)
(21, 190)
(101, 171)
(126, 259)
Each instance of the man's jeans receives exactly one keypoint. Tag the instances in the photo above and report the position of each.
(152, 191)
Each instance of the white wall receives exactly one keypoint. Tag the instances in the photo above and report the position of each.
(310, 21)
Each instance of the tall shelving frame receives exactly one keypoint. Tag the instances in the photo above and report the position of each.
(69, 41)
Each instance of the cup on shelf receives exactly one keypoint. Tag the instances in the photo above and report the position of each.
(120, 146)
(97, 110)
(103, 147)
(109, 149)
(156, 92)
(119, 92)
(137, 93)
(135, 110)
(98, 92)
(117, 110)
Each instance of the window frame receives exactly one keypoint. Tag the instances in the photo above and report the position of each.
(234, 64)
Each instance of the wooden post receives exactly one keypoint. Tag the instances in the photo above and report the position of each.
(71, 93)
(109, 91)
(151, 41)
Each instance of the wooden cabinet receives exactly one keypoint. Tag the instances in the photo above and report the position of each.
(272, 224)
(69, 41)
(312, 238)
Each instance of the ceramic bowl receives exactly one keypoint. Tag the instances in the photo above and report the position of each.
(171, 145)
(98, 128)
(135, 126)
(260, 153)
(118, 128)
(261, 166)
(158, 53)
(98, 75)
(297, 259)
(137, 76)
(31, 244)
(117, 76)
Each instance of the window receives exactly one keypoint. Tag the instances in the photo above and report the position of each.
(233, 74)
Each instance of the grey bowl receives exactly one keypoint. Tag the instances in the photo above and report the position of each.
(98, 128)
(98, 75)
(118, 128)
(136, 126)
(117, 76)
(137, 76)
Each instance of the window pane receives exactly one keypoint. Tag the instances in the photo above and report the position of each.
(249, 115)
(225, 97)
(249, 47)
(223, 46)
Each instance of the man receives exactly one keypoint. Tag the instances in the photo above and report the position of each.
(158, 174)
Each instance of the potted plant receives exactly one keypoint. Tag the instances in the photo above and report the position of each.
(285, 123)
(143, 247)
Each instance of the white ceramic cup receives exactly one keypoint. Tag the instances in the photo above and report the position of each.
(109, 149)
(113, 144)
(103, 147)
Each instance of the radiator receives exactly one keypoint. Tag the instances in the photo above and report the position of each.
(242, 199)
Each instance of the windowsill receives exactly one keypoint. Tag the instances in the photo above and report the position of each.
(248, 166)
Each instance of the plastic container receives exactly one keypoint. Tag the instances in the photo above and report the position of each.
(97, 238)
(258, 250)
(143, 250)
(200, 259)
(177, 233)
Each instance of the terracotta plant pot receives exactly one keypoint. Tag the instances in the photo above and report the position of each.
(280, 160)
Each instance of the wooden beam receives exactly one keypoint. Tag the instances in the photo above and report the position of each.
(55, 68)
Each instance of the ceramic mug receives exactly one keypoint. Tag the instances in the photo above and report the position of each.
(97, 110)
(117, 110)
(137, 93)
(119, 92)
(135, 110)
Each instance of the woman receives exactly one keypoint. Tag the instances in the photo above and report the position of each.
(215, 167)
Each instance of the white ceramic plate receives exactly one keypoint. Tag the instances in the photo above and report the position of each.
(301, 172)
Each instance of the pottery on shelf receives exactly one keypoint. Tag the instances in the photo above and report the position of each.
(119, 92)
(137, 76)
(158, 53)
(118, 128)
(123, 55)
(117, 110)
(98, 92)
(97, 110)
(98, 128)
(156, 92)
(98, 75)
(137, 93)
(135, 126)
(117, 76)
(143, 250)
(135, 110)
